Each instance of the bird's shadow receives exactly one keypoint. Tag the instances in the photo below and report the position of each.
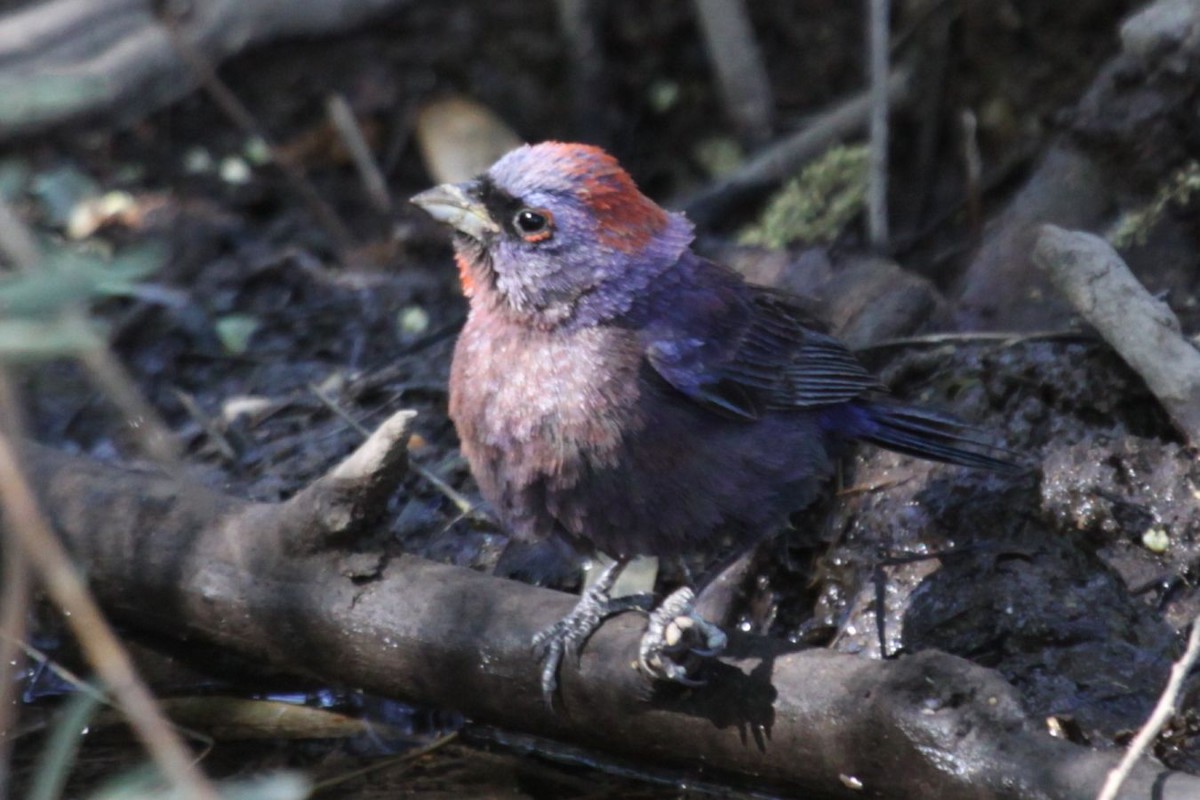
(732, 695)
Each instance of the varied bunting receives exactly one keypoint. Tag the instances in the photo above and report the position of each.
(615, 389)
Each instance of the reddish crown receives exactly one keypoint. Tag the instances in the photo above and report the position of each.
(626, 219)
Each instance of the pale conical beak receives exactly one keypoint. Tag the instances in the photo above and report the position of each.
(457, 205)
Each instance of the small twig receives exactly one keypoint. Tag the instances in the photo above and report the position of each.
(29, 538)
(1005, 338)
(78, 684)
(27, 527)
(786, 156)
(871, 488)
(233, 108)
(156, 439)
(109, 375)
(460, 501)
(14, 609)
(745, 90)
(973, 162)
(215, 435)
(877, 184)
(1143, 330)
(346, 124)
(403, 758)
(1163, 711)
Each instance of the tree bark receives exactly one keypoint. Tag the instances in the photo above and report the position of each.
(271, 582)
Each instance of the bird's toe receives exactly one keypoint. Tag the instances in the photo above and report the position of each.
(677, 640)
(569, 634)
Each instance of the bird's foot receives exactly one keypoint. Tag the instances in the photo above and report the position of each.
(569, 633)
(677, 639)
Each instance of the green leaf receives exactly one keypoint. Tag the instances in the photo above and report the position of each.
(38, 340)
(66, 279)
(235, 331)
(54, 764)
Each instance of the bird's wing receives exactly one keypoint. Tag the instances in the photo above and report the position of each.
(759, 351)
(796, 364)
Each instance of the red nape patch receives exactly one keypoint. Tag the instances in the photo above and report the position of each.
(465, 274)
(627, 219)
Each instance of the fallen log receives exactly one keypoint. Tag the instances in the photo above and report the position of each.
(276, 584)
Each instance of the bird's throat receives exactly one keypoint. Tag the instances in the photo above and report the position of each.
(466, 273)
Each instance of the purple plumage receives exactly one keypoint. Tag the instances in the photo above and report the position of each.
(614, 389)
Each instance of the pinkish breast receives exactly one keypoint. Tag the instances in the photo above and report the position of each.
(536, 411)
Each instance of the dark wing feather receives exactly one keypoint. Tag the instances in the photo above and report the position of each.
(760, 352)
(796, 365)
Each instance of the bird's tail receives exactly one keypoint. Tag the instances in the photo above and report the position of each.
(928, 434)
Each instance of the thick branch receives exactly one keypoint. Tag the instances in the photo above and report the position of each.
(186, 561)
(1144, 330)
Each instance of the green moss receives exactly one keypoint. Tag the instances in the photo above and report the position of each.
(43, 309)
(1134, 226)
(816, 205)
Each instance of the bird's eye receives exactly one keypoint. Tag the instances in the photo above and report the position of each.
(534, 225)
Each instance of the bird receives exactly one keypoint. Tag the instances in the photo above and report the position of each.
(616, 391)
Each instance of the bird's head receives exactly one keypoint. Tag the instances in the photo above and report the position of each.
(557, 233)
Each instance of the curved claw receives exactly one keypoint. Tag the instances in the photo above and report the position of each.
(551, 656)
(675, 638)
(680, 675)
(707, 652)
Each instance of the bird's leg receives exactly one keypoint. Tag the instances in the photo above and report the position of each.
(570, 632)
(676, 636)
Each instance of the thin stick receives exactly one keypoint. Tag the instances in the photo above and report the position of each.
(786, 156)
(403, 758)
(28, 528)
(1163, 711)
(1005, 338)
(345, 123)
(109, 374)
(877, 187)
(18, 243)
(79, 685)
(974, 166)
(14, 609)
(460, 501)
(734, 53)
(214, 433)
